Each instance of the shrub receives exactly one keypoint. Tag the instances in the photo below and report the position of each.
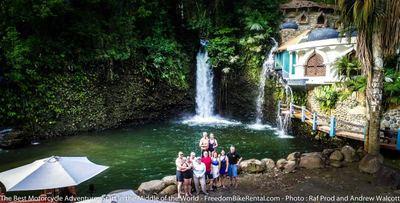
(327, 97)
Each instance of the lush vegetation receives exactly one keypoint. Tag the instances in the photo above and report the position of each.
(50, 47)
(349, 69)
(241, 40)
(376, 22)
(392, 86)
(67, 61)
(327, 96)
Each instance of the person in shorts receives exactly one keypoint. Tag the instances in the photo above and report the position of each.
(234, 159)
(203, 144)
(187, 177)
(180, 168)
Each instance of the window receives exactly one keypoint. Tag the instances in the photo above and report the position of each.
(293, 63)
(303, 19)
(315, 66)
(321, 20)
(286, 62)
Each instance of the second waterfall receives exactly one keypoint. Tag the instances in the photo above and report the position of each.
(267, 68)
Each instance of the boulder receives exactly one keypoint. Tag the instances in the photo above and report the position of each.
(151, 187)
(336, 156)
(169, 190)
(11, 138)
(349, 153)
(280, 164)
(312, 154)
(371, 163)
(336, 164)
(311, 160)
(293, 156)
(268, 163)
(252, 166)
(387, 176)
(361, 152)
(327, 152)
(169, 180)
(290, 166)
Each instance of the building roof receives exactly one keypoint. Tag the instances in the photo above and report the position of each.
(295, 4)
(293, 41)
(322, 33)
(289, 25)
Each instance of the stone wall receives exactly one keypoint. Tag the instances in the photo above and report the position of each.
(350, 110)
(353, 110)
(391, 119)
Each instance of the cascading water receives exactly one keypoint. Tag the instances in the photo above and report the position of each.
(268, 68)
(204, 92)
(283, 120)
(204, 85)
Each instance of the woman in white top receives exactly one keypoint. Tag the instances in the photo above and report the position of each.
(199, 170)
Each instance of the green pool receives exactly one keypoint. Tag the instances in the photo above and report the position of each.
(148, 152)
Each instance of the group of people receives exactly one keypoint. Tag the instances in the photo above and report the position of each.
(211, 169)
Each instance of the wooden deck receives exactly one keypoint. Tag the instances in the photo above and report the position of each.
(297, 113)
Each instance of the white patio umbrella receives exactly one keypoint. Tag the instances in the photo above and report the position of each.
(50, 173)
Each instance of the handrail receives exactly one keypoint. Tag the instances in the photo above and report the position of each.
(320, 116)
(299, 107)
(335, 125)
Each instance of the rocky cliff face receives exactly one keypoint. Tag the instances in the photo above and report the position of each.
(101, 103)
(110, 104)
(236, 96)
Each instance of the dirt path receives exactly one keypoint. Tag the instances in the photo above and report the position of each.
(345, 184)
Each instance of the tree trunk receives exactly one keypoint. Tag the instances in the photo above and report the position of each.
(374, 95)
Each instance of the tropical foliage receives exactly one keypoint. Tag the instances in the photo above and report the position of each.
(392, 87)
(376, 22)
(327, 96)
(347, 67)
(241, 40)
(56, 56)
(357, 84)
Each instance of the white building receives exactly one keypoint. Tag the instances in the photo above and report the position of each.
(310, 43)
(309, 58)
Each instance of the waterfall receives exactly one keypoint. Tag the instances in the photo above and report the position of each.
(204, 86)
(283, 120)
(205, 105)
(268, 66)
